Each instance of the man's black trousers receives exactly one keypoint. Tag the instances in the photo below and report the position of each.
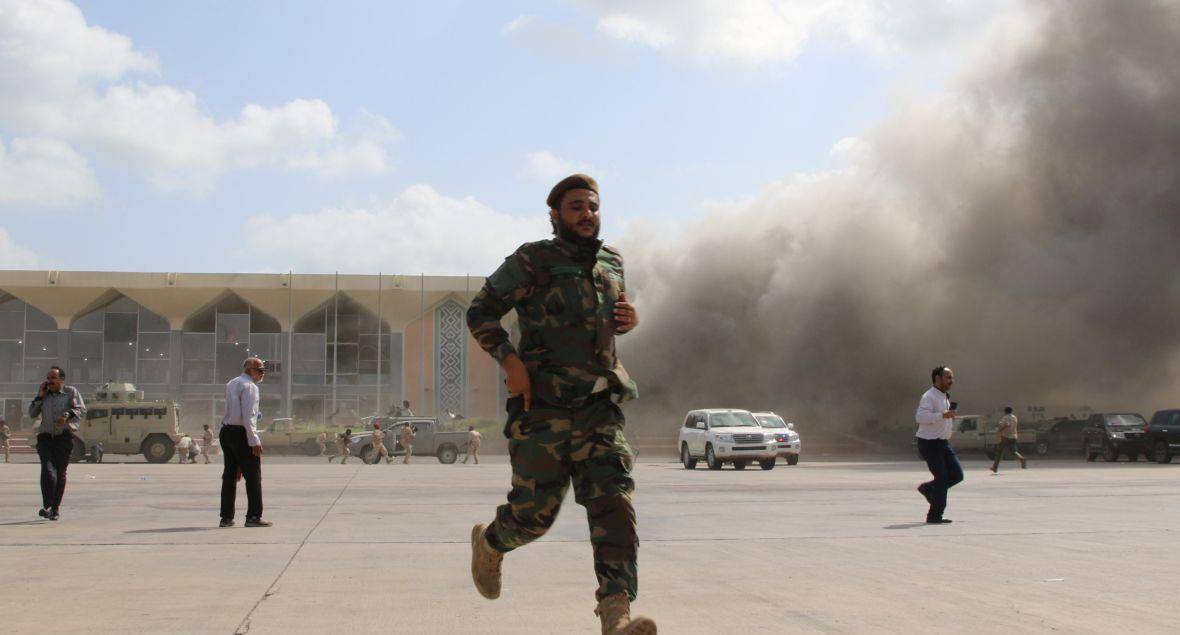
(54, 451)
(238, 456)
(944, 467)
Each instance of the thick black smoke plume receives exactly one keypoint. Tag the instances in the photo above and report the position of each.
(1022, 227)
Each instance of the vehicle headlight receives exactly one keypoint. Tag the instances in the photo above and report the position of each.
(1116, 435)
(725, 437)
(769, 438)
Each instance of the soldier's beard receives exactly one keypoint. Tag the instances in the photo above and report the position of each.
(570, 233)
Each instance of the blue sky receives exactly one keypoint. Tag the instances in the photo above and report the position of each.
(411, 137)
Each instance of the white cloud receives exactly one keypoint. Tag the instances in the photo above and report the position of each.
(545, 166)
(62, 78)
(420, 230)
(13, 256)
(44, 172)
(760, 32)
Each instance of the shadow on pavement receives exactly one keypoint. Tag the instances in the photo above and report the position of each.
(24, 522)
(905, 526)
(169, 530)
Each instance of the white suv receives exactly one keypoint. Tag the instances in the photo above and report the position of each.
(725, 435)
(784, 434)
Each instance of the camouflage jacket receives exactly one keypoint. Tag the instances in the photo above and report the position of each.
(564, 296)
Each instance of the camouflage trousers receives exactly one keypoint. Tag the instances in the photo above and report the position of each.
(552, 446)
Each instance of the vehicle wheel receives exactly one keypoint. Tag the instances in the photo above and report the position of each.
(1041, 448)
(686, 459)
(1090, 454)
(793, 459)
(366, 452)
(1161, 452)
(740, 465)
(1109, 453)
(78, 451)
(447, 454)
(711, 458)
(311, 448)
(767, 464)
(158, 448)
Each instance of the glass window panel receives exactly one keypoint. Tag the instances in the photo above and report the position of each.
(39, 321)
(10, 361)
(151, 322)
(92, 321)
(314, 322)
(36, 369)
(233, 328)
(229, 361)
(203, 322)
(262, 323)
(153, 371)
(12, 325)
(233, 304)
(197, 371)
(13, 304)
(119, 347)
(309, 361)
(346, 359)
(198, 346)
(155, 345)
(86, 370)
(368, 348)
(265, 346)
(41, 344)
(85, 346)
(349, 329)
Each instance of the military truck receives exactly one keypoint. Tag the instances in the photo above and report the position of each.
(125, 423)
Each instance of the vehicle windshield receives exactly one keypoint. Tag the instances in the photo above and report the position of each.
(1125, 421)
(771, 421)
(732, 419)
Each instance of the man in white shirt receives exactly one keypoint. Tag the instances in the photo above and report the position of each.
(935, 417)
(241, 446)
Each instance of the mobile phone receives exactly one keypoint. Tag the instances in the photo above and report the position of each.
(954, 405)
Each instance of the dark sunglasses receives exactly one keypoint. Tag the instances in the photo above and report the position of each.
(261, 370)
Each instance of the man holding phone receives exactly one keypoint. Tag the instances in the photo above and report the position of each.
(241, 446)
(60, 408)
(935, 417)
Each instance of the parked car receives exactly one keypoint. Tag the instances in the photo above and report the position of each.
(784, 435)
(1112, 434)
(1162, 436)
(725, 435)
(429, 440)
(1062, 435)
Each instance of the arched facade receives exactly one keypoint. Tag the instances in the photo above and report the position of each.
(337, 347)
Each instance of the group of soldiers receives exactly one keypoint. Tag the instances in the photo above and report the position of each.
(376, 442)
(188, 449)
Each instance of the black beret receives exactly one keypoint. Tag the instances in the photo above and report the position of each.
(571, 182)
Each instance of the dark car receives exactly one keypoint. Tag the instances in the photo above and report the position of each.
(1162, 437)
(1062, 435)
(1113, 434)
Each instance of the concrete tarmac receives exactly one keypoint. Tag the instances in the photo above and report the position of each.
(1064, 546)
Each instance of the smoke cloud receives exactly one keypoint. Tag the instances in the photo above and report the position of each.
(1021, 227)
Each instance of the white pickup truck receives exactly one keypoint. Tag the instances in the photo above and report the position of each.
(975, 433)
(725, 435)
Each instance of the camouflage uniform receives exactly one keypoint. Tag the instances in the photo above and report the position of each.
(207, 446)
(564, 296)
(377, 443)
(5, 436)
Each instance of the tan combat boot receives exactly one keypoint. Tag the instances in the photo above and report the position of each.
(615, 613)
(485, 564)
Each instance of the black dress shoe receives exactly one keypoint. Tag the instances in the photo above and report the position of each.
(258, 522)
(939, 521)
(44, 513)
(53, 515)
(226, 522)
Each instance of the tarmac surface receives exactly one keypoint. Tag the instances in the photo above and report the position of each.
(833, 547)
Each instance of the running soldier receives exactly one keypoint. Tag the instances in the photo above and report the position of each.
(566, 380)
(377, 443)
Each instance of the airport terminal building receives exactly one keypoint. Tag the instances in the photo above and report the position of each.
(339, 347)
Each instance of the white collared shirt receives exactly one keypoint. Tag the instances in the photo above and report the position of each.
(241, 406)
(931, 424)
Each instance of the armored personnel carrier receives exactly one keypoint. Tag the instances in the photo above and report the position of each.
(125, 423)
